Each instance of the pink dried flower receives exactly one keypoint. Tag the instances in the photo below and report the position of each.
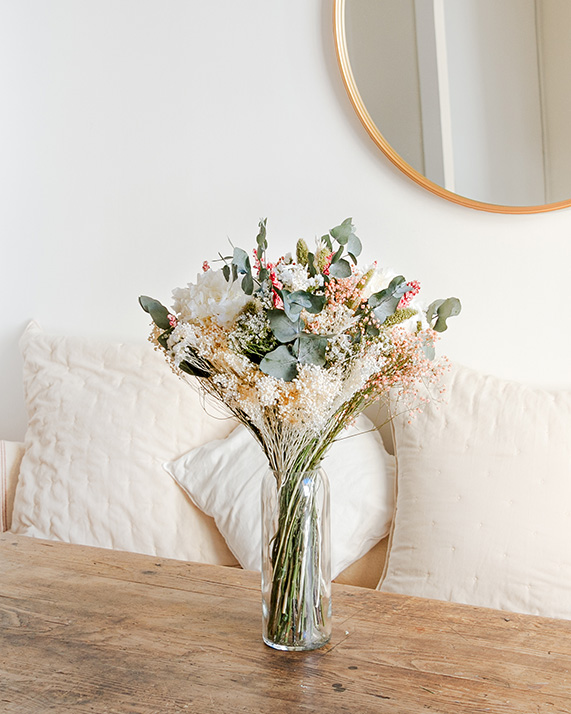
(205, 266)
(172, 320)
(407, 297)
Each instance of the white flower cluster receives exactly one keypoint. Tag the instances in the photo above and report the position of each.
(212, 296)
(294, 277)
(369, 363)
(269, 392)
(184, 335)
(333, 321)
(317, 397)
(378, 281)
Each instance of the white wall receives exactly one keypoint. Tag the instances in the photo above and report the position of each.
(136, 135)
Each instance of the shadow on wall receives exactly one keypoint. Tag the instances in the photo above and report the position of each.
(13, 420)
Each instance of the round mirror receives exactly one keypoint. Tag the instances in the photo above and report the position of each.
(470, 98)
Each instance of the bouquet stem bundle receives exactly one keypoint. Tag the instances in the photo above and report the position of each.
(296, 563)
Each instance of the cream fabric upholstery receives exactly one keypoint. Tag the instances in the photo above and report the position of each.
(103, 417)
(484, 498)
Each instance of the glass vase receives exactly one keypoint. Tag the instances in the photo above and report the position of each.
(296, 560)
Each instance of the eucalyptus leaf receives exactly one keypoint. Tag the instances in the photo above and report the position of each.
(327, 240)
(341, 233)
(311, 349)
(354, 246)
(283, 328)
(241, 260)
(158, 312)
(337, 255)
(300, 300)
(280, 363)
(311, 265)
(442, 310)
(226, 273)
(261, 238)
(432, 310)
(309, 301)
(292, 309)
(385, 302)
(248, 284)
(340, 269)
(163, 338)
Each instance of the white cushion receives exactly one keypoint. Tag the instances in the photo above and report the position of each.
(224, 478)
(102, 420)
(484, 498)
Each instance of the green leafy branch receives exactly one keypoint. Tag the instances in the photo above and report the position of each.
(339, 267)
(240, 263)
(198, 367)
(296, 345)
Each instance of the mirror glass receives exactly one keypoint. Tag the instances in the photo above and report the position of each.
(471, 97)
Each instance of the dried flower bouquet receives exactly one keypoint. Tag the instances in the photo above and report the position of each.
(296, 349)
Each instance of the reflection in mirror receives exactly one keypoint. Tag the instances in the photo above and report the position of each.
(474, 95)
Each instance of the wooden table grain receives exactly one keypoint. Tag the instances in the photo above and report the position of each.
(100, 631)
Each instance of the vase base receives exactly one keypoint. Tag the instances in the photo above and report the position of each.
(300, 647)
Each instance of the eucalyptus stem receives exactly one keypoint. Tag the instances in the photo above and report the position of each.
(295, 602)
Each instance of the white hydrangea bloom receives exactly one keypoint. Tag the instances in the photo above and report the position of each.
(379, 281)
(211, 296)
(411, 324)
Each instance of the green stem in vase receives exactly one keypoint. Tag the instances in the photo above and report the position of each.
(295, 606)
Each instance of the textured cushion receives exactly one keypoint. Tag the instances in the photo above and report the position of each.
(102, 420)
(484, 498)
(224, 478)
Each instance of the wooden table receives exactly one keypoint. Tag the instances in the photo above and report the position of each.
(91, 630)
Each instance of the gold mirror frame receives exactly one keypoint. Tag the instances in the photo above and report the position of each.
(387, 149)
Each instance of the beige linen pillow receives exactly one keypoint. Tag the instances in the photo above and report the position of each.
(483, 510)
(103, 418)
